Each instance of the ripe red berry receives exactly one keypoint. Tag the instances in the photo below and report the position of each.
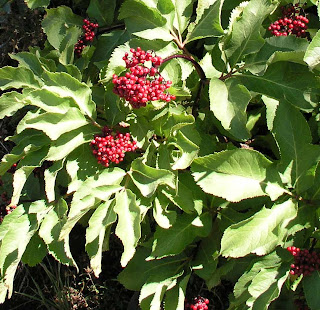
(109, 147)
(88, 36)
(140, 83)
(198, 303)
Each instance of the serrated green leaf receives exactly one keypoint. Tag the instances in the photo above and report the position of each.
(237, 174)
(106, 44)
(257, 233)
(176, 296)
(208, 22)
(66, 86)
(30, 61)
(102, 11)
(50, 176)
(187, 140)
(245, 37)
(66, 47)
(147, 179)
(154, 289)
(139, 270)
(26, 166)
(10, 103)
(286, 81)
(162, 216)
(311, 284)
(69, 141)
(312, 56)
(49, 102)
(128, 227)
(35, 252)
(57, 22)
(15, 241)
(290, 48)
(100, 221)
(17, 77)
(293, 137)
(33, 4)
(183, 12)
(50, 230)
(185, 229)
(144, 21)
(53, 124)
(228, 102)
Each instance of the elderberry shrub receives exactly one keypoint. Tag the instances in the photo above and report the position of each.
(87, 37)
(291, 22)
(198, 303)
(109, 147)
(305, 262)
(142, 83)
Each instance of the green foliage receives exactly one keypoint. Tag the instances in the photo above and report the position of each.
(225, 177)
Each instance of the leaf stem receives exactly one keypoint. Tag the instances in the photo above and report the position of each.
(106, 29)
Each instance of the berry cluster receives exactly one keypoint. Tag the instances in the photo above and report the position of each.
(198, 303)
(291, 22)
(142, 83)
(111, 147)
(88, 36)
(305, 262)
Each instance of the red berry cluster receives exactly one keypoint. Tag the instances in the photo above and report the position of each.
(111, 147)
(141, 83)
(198, 303)
(4, 204)
(291, 22)
(305, 262)
(88, 36)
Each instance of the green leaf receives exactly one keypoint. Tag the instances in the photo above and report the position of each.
(50, 176)
(102, 11)
(311, 284)
(144, 21)
(187, 140)
(10, 103)
(57, 22)
(228, 102)
(54, 124)
(33, 4)
(183, 232)
(207, 23)
(66, 86)
(176, 296)
(183, 12)
(17, 77)
(245, 37)
(275, 49)
(49, 101)
(50, 230)
(154, 289)
(35, 252)
(147, 179)
(139, 270)
(27, 142)
(128, 227)
(312, 56)
(162, 216)
(66, 47)
(26, 166)
(286, 81)
(106, 44)
(293, 137)
(30, 61)
(237, 174)
(69, 141)
(99, 223)
(15, 241)
(260, 233)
